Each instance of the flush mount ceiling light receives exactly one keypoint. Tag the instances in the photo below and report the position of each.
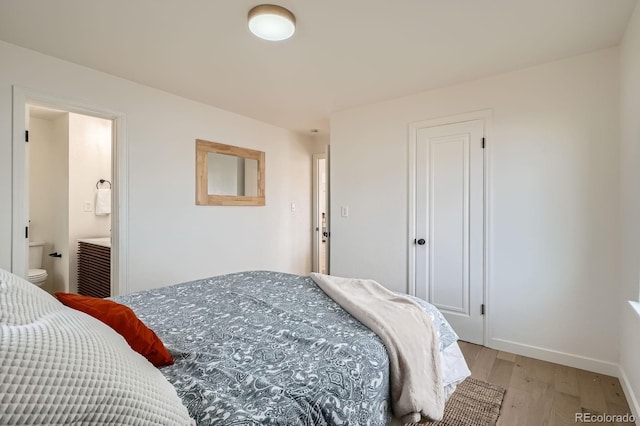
(271, 22)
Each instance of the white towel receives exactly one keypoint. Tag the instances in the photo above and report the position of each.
(103, 202)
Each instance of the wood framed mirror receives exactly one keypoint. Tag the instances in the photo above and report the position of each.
(228, 175)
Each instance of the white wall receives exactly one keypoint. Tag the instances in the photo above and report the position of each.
(59, 207)
(553, 201)
(40, 182)
(170, 238)
(630, 209)
(89, 161)
(48, 195)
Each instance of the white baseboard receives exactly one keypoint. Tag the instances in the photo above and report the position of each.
(629, 394)
(563, 358)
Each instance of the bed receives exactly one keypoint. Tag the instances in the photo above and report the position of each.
(272, 348)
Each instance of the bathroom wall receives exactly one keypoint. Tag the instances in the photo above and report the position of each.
(59, 209)
(89, 161)
(48, 182)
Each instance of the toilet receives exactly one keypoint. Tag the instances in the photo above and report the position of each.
(36, 275)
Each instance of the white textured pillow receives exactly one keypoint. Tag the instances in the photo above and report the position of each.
(61, 366)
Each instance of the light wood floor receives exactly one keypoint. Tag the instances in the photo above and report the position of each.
(541, 393)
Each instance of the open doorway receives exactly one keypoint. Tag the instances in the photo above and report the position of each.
(321, 232)
(68, 173)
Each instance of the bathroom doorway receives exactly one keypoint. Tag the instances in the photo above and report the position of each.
(68, 179)
(69, 172)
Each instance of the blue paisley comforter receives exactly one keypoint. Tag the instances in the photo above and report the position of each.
(266, 348)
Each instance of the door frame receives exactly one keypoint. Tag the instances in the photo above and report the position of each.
(317, 221)
(20, 190)
(486, 116)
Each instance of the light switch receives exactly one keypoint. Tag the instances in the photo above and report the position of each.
(88, 206)
(344, 211)
(293, 207)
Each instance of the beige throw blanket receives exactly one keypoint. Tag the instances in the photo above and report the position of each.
(409, 337)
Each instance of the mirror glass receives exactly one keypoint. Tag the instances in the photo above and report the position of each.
(228, 175)
(231, 175)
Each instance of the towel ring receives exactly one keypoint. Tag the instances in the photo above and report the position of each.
(101, 181)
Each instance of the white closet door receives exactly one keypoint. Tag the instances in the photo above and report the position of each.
(449, 223)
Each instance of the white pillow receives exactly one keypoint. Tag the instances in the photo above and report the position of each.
(61, 366)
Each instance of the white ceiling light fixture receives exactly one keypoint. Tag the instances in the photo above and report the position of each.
(271, 22)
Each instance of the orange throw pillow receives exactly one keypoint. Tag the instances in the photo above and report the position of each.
(123, 320)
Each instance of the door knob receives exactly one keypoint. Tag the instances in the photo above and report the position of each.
(421, 242)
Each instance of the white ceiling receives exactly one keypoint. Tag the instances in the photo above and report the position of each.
(345, 53)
